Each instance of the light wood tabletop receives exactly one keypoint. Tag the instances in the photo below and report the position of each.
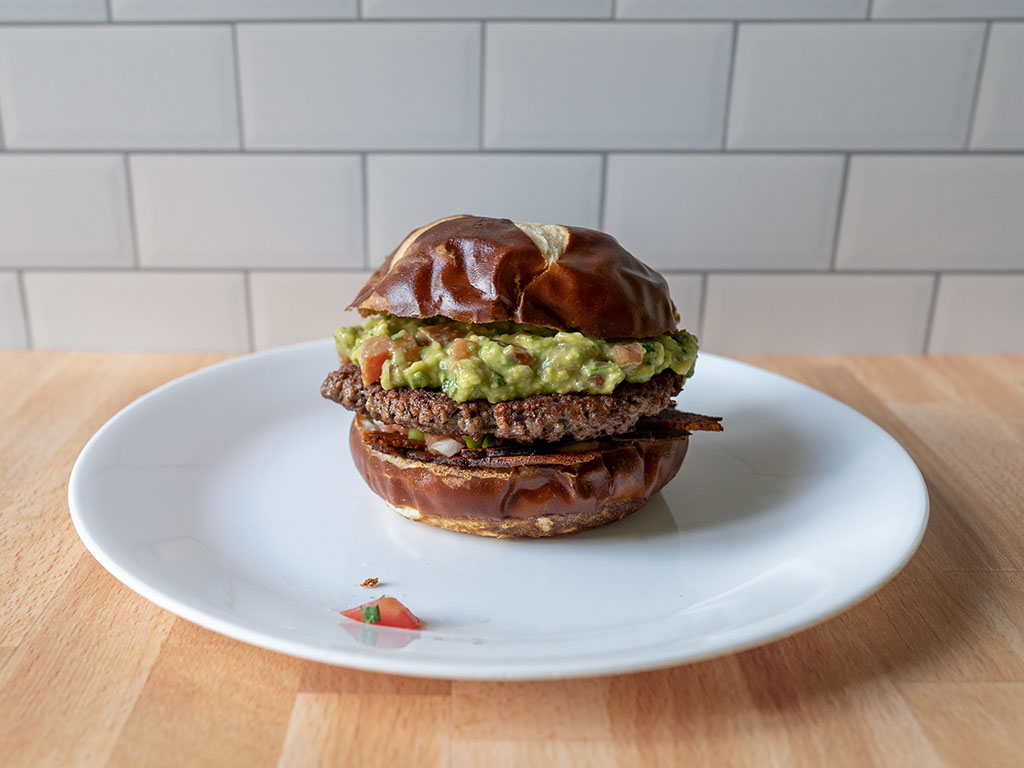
(927, 672)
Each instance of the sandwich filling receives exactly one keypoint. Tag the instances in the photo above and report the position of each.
(498, 362)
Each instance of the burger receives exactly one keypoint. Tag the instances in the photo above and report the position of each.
(515, 379)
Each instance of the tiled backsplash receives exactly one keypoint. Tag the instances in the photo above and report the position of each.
(812, 176)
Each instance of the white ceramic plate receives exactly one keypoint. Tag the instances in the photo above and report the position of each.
(229, 498)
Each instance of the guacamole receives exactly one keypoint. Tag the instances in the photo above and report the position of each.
(504, 361)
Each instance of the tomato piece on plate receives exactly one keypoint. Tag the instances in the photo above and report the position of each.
(386, 611)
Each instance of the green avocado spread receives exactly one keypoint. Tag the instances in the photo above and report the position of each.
(504, 361)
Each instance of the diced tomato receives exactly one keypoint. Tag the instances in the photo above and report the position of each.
(442, 334)
(628, 355)
(376, 350)
(517, 353)
(408, 347)
(462, 349)
(597, 380)
(392, 613)
(344, 360)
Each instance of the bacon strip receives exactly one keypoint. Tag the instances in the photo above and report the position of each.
(667, 425)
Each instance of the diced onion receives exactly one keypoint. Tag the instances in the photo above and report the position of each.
(446, 447)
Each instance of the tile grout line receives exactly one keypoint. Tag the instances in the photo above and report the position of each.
(976, 97)
(523, 151)
(483, 90)
(240, 113)
(249, 325)
(30, 342)
(598, 20)
(602, 193)
(497, 152)
(701, 317)
(728, 84)
(359, 9)
(110, 11)
(3, 139)
(844, 180)
(930, 322)
(615, 10)
(365, 191)
(871, 10)
(133, 223)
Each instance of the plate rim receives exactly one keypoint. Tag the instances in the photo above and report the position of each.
(461, 669)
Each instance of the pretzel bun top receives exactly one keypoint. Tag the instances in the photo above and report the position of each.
(481, 270)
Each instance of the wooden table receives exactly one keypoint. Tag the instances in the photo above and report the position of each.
(930, 671)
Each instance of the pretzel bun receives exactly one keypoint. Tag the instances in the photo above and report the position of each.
(534, 495)
(481, 270)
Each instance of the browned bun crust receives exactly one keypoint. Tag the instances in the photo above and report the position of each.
(570, 494)
(480, 270)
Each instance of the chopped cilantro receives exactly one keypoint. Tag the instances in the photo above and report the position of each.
(371, 614)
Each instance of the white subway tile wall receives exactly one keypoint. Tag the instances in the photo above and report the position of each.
(816, 314)
(487, 9)
(297, 306)
(858, 86)
(999, 120)
(595, 85)
(64, 211)
(52, 10)
(137, 310)
(242, 211)
(742, 9)
(356, 86)
(933, 213)
(811, 176)
(109, 87)
(976, 313)
(231, 10)
(725, 211)
(947, 9)
(12, 315)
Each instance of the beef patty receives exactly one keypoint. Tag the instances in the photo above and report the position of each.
(540, 417)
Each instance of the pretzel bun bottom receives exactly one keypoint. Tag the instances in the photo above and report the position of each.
(535, 499)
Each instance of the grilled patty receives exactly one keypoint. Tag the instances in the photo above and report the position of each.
(541, 417)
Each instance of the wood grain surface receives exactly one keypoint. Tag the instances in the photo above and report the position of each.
(928, 672)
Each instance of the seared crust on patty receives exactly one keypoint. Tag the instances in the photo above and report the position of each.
(540, 417)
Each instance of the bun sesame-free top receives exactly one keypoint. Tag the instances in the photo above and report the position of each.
(481, 270)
